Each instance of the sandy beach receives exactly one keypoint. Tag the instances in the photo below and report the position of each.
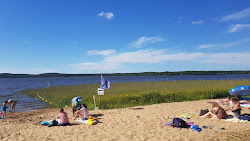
(125, 124)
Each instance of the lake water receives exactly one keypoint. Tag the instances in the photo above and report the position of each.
(10, 87)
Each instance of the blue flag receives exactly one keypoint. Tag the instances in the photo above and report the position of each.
(105, 84)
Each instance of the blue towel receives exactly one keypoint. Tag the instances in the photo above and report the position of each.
(45, 123)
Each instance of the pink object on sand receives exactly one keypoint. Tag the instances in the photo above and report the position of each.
(166, 124)
(190, 123)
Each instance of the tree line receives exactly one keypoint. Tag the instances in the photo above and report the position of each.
(166, 73)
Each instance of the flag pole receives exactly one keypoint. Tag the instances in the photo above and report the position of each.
(100, 95)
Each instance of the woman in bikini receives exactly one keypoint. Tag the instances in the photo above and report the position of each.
(234, 109)
(216, 112)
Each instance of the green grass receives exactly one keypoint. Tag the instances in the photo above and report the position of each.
(137, 93)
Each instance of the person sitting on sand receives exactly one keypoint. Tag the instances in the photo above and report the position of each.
(238, 97)
(82, 113)
(12, 104)
(63, 118)
(4, 108)
(216, 112)
(235, 108)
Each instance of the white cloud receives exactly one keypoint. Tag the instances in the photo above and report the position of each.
(237, 16)
(179, 20)
(27, 71)
(198, 22)
(206, 46)
(93, 66)
(236, 42)
(227, 58)
(108, 16)
(143, 41)
(103, 52)
(151, 56)
(238, 27)
(225, 44)
(74, 43)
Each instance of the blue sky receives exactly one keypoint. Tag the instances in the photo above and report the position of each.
(112, 36)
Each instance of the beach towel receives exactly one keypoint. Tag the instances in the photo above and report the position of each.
(235, 119)
(82, 121)
(187, 115)
(244, 117)
(244, 105)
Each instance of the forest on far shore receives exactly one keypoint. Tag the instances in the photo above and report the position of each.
(166, 73)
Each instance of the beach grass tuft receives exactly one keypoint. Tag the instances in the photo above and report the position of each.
(131, 94)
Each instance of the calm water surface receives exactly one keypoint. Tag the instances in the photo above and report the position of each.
(10, 87)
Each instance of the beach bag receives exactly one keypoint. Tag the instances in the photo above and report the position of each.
(52, 123)
(92, 120)
(221, 113)
(203, 112)
(179, 123)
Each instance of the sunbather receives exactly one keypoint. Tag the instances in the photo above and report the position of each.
(245, 102)
(235, 108)
(216, 112)
(225, 101)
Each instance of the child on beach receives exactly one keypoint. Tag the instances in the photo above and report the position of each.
(4, 109)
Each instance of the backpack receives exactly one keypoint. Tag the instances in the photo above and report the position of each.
(203, 112)
(179, 123)
(52, 123)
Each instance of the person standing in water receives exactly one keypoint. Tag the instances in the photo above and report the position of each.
(12, 104)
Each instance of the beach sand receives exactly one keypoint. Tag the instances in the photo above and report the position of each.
(125, 124)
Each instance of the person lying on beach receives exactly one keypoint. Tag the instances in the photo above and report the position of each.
(63, 119)
(12, 103)
(82, 113)
(225, 101)
(216, 112)
(234, 109)
(4, 108)
(244, 102)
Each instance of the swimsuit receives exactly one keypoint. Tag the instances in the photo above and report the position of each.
(4, 108)
(237, 112)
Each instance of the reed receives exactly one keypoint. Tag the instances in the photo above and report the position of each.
(137, 93)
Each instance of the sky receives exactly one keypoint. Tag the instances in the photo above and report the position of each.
(123, 36)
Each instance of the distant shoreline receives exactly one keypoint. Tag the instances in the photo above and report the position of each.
(166, 73)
